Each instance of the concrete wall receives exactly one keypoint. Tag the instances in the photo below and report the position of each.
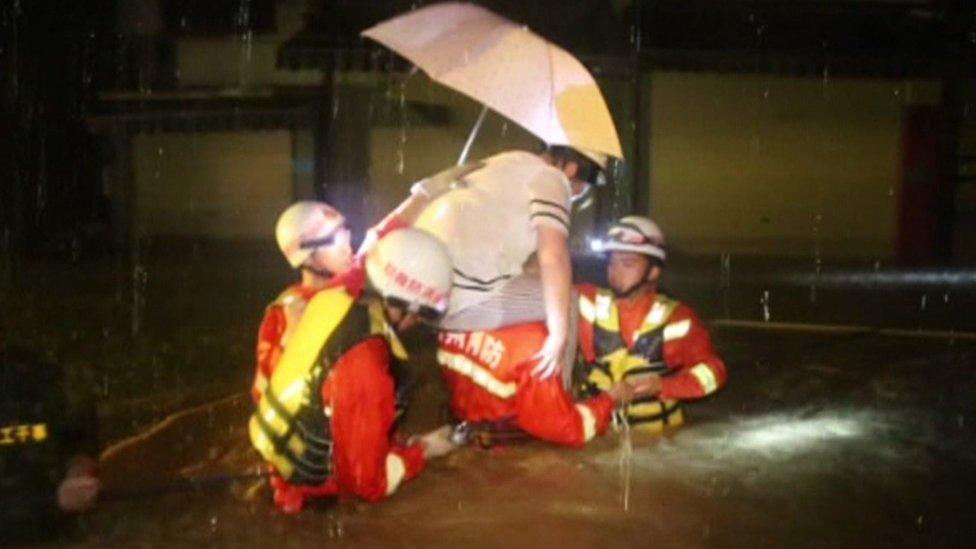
(211, 185)
(778, 165)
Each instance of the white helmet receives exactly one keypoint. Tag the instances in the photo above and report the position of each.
(413, 267)
(304, 226)
(638, 234)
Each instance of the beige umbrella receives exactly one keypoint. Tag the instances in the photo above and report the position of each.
(507, 67)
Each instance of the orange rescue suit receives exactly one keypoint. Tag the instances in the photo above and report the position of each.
(489, 377)
(652, 334)
(325, 417)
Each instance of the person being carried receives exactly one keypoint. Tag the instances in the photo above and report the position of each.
(325, 419)
(632, 331)
(314, 240)
(506, 339)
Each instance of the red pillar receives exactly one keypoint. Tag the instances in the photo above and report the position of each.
(922, 185)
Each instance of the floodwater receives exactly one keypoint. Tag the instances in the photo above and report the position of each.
(819, 439)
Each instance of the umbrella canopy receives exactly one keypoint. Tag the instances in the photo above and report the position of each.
(507, 67)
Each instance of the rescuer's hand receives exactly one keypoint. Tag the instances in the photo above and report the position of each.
(621, 392)
(437, 443)
(647, 385)
(79, 489)
(550, 357)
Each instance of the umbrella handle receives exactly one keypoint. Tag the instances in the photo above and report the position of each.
(472, 135)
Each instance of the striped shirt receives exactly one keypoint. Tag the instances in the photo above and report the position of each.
(488, 222)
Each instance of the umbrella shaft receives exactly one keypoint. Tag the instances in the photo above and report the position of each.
(472, 135)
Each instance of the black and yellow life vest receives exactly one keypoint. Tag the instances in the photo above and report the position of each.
(291, 427)
(615, 362)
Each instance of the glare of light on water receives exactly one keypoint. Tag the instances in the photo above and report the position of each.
(797, 434)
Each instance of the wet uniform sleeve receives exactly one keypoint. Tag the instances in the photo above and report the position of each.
(549, 200)
(547, 411)
(361, 396)
(688, 350)
(268, 348)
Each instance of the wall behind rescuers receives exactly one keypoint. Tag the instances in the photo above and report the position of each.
(776, 165)
(212, 185)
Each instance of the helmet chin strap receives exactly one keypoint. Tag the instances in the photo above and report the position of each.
(317, 272)
(629, 292)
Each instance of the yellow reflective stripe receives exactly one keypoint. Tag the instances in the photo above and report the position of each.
(677, 330)
(706, 377)
(296, 445)
(606, 312)
(656, 315)
(589, 422)
(600, 379)
(659, 314)
(395, 471)
(645, 409)
(606, 304)
(587, 309)
(479, 375)
(265, 447)
(261, 383)
(622, 362)
(271, 418)
(379, 326)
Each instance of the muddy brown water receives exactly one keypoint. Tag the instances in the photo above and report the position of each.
(817, 440)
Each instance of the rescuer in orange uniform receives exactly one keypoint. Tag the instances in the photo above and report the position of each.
(314, 240)
(324, 420)
(631, 331)
(494, 390)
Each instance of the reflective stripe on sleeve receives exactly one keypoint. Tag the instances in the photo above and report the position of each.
(706, 377)
(587, 309)
(589, 422)
(395, 471)
(656, 315)
(677, 330)
(476, 373)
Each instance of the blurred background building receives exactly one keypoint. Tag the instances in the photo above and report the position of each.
(766, 128)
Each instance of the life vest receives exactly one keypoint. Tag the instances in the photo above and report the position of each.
(291, 426)
(615, 362)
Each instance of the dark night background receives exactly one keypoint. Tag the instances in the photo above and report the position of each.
(812, 164)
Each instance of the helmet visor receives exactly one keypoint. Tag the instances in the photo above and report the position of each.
(426, 314)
